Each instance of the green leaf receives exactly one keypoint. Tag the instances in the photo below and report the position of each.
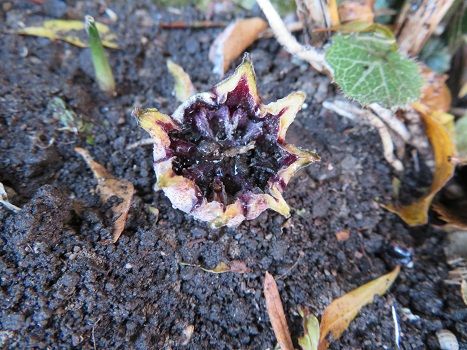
(368, 68)
(309, 340)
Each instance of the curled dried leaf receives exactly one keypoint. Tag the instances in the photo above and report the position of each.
(435, 93)
(231, 43)
(109, 186)
(276, 313)
(443, 147)
(338, 315)
(356, 10)
(236, 266)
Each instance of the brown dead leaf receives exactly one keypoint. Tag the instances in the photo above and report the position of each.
(236, 266)
(343, 235)
(109, 186)
(231, 43)
(183, 87)
(276, 313)
(435, 93)
(239, 266)
(359, 10)
(443, 148)
(338, 315)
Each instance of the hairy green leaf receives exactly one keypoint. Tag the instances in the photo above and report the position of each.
(368, 68)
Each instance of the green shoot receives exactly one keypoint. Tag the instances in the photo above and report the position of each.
(103, 72)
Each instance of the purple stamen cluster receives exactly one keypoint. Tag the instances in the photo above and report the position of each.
(227, 149)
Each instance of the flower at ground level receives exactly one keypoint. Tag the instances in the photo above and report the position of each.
(222, 156)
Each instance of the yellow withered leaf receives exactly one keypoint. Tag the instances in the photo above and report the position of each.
(443, 147)
(71, 31)
(338, 315)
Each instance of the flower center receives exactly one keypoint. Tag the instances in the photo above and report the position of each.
(227, 151)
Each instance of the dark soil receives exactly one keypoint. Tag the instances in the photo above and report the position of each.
(61, 288)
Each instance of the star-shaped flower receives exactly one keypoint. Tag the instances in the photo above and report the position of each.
(222, 156)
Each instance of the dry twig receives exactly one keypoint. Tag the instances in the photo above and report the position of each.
(309, 54)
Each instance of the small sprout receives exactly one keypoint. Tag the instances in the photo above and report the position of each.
(222, 156)
(104, 76)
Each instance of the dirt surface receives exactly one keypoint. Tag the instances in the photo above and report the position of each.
(61, 288)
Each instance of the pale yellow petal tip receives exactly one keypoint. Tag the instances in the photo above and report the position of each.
(287, 108)
(148, 117)
(231, 217)
(244, 71)
(277, 203)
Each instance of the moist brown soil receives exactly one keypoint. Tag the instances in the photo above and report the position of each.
(61, 288)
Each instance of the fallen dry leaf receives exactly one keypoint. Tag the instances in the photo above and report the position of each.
(236, 266)
(435, 93)
(360, 10)
(276, 313)
(239, 266)
(310, 338)
(464, 291)
(338, 315)
(109, 186)
(443, 149)
(183, 87)
(71, 31)
(231, 43)
(343, 235)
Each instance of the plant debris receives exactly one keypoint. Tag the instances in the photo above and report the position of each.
(233, 41)
(276, 313)
(443, 147)
(4, 200)
(109, 186)
(236, 266)
(71, 31)
(338, 315)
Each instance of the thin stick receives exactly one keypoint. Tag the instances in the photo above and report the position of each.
(309, 54)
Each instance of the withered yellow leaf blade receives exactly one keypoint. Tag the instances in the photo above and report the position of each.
(443, 147)
(338, 315)
(183, 87)
(109, 186)
(71, 31)
(276, 313)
